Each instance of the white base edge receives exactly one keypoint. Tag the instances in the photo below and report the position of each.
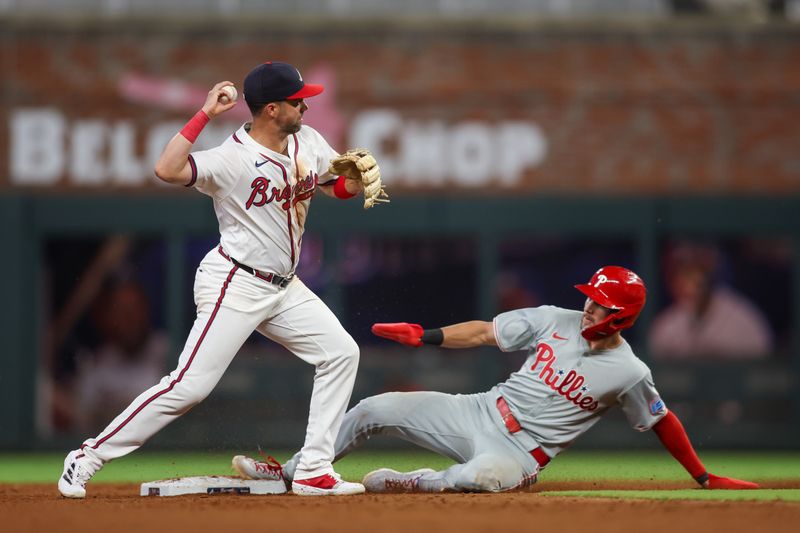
(211, 485)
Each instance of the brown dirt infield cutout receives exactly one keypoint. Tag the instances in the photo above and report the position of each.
(117, 508)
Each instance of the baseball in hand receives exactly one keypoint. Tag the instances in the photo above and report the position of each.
(228, 95)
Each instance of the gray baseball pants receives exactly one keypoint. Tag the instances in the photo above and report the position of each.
(460, 427)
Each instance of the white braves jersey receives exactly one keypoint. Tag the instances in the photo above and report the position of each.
(564, 387)
(261, 197)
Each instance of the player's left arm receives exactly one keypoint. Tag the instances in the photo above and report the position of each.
(331, 182)
(645, 410)
(674, 438)
(342, 188)
(356, 171)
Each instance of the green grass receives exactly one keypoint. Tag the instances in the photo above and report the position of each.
(789, 495)
(572, 466)
(580, 466)
(149, 466)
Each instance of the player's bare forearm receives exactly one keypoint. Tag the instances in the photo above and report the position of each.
(469, 335)
(173, 165)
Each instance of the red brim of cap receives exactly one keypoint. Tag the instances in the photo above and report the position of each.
(308, 90)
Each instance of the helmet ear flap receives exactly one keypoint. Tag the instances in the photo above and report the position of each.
(624, 322)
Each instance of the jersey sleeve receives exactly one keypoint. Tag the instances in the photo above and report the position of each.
(642, 404)
(516, 330)
(213, 171)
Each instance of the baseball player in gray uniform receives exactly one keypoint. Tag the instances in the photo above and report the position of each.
(578, 367)
(261, 179)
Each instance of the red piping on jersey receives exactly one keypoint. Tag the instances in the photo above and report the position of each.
(288, 211)
(235, 138)
(183, 371)
(297, 180)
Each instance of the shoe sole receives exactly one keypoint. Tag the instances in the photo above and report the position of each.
(390, 472)
(305, 490)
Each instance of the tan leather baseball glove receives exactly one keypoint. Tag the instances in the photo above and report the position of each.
(358, 164)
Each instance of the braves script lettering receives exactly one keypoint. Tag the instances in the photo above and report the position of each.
(570, 384)
(262, 194)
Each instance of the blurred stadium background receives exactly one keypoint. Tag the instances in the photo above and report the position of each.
(524, 143)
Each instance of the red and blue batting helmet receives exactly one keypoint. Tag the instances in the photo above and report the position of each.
(620, 290)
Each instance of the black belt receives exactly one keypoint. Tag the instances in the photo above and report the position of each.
(269, 277)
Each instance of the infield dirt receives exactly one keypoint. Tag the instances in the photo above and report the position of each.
(117, 508)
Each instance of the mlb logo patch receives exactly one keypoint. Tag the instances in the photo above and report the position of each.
(656, 406)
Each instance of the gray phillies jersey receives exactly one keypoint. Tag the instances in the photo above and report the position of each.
(564, 388)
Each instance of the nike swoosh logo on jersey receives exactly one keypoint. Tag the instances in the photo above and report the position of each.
(557, 337)
(259, 164)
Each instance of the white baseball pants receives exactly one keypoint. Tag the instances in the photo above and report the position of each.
(231, 304)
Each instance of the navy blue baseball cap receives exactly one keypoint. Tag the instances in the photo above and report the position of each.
(274, 81)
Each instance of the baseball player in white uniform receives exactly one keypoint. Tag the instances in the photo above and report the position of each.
(261, 179)
(578, 367)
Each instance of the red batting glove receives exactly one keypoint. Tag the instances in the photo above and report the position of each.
(717, 482)
(402, 332)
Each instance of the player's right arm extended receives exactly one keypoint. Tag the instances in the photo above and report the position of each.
(463, 335)
(674, 438)
(173, 166)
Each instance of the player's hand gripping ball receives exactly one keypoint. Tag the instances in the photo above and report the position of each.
(228, 95)
(359, 164)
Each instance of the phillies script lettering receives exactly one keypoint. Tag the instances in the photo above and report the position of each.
(571, 383)
(263, 194)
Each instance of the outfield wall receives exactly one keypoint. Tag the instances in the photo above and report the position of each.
(725, 403)
(474, 107)
(520, 156)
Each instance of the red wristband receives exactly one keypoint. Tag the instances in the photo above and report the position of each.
(339, 190)
(193, 128)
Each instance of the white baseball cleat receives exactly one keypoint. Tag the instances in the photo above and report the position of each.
(388, 480)
(326, 485)
(249, 468)
(72, 483)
